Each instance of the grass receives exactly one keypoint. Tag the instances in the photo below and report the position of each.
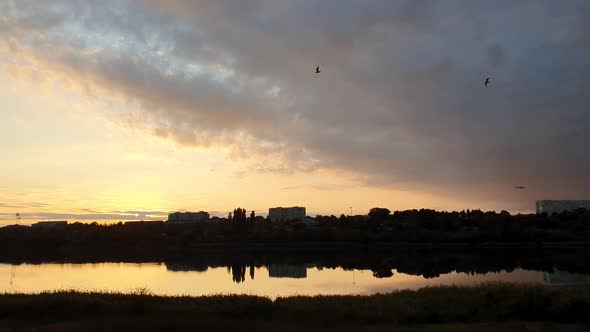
(512, 307)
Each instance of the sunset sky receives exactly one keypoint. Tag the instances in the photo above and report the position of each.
(134, 108)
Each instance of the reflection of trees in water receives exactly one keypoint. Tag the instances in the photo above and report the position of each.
(185, 267)
(382, 272)
(565, 278)
(426, 263)
(298, 271)
(238, 272)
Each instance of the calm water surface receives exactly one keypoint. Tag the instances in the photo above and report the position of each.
(273, 280)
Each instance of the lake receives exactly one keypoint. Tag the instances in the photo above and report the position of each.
(272, 280)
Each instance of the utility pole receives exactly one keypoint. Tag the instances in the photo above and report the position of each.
(350, 211)
(17, 218)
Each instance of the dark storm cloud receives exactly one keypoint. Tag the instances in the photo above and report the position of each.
(400, 101)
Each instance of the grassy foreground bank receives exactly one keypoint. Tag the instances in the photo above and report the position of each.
(485, 307)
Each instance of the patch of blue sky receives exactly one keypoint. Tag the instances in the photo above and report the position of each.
(156, 51)
(97, 40)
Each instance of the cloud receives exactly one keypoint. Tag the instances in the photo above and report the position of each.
(142, 214)
(333, 187)
(399, 103)
(37, 205)
(24, 205)
(72, 217)
(92, 211)
(4, 205)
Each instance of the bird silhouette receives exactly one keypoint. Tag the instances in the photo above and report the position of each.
(317, 70)
(487, 81)
(520, 187)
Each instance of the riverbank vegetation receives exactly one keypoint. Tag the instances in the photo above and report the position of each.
(379, 229)
(490, 305)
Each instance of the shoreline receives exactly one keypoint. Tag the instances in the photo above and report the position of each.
(472, 305)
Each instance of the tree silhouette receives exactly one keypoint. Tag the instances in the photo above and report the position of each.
(383, 272)
(379, 213)
(240, 216)
(238, 272)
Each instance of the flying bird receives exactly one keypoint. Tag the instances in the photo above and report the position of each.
(317, 70)
(519, 187)
(487, 81)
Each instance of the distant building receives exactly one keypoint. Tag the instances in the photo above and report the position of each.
(50, 225)
(287, 271)
(548, 206)
(286, 214)
(188, 217)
